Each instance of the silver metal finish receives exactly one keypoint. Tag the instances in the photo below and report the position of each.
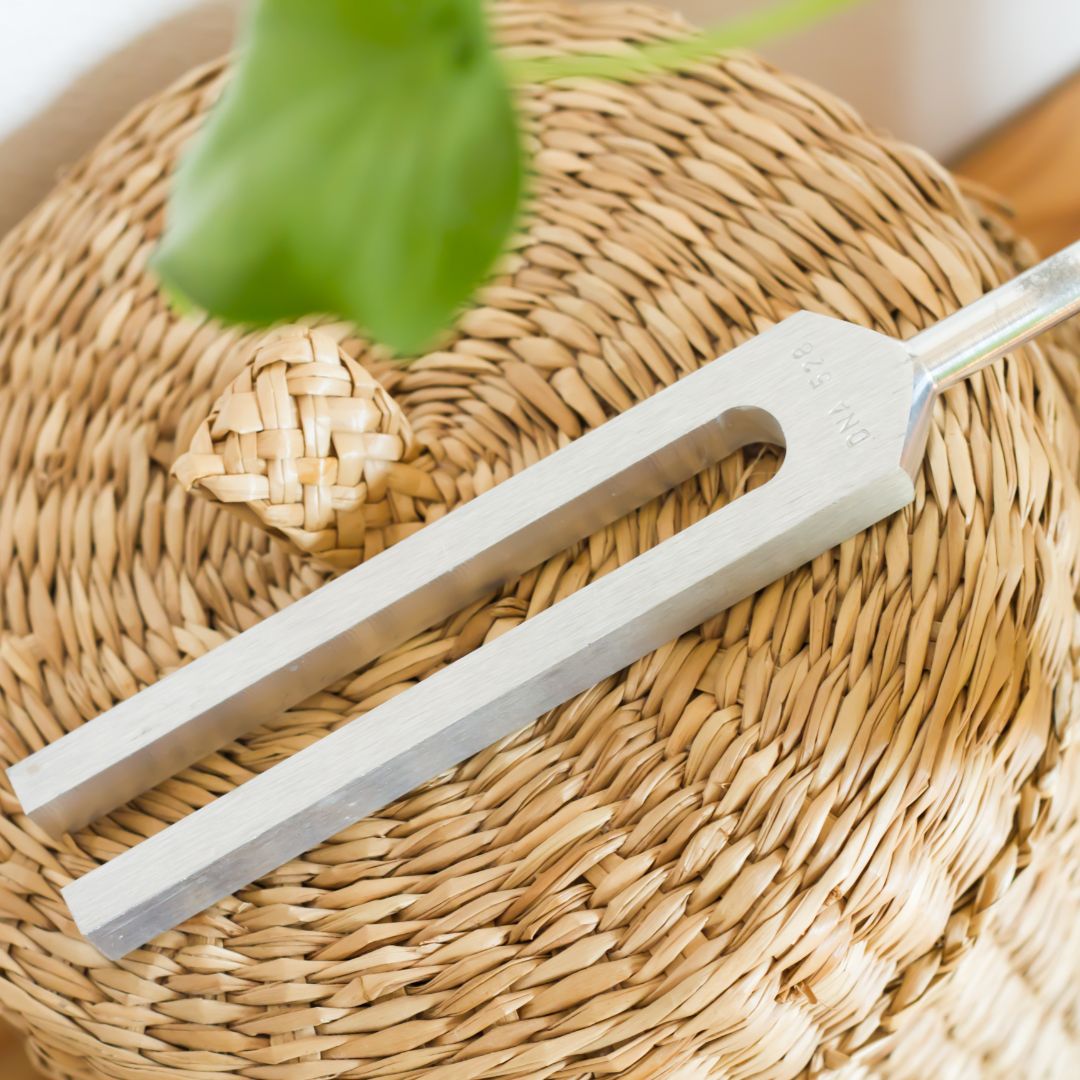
(979, 333)
(1002, 320)
(852, 408)
(839, 396)
(356, 617)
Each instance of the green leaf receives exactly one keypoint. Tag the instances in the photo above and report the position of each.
(740, 32)
(364, 161)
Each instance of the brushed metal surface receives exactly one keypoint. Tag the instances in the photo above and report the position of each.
(838, 396)
(356, 617)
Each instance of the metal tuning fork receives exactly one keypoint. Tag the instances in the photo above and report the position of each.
(850, 406)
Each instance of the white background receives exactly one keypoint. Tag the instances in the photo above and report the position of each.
(936, 72)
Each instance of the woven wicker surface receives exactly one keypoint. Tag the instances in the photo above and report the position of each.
(314, 447)
(834, 830)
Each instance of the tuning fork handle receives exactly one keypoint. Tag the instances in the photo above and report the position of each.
(1002, 320)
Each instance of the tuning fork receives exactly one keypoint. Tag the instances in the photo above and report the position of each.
(851, 408)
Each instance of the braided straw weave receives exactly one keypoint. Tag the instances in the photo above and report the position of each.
(314, 446)
(834, 831)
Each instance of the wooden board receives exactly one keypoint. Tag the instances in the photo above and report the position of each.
(14, 1064)
(1034, 161)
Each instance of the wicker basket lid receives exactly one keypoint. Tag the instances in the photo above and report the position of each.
(833, 829)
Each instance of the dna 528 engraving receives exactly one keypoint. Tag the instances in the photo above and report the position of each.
(814, 366)
(848, 423)
(841, 413)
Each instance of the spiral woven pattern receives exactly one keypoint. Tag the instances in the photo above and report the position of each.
(309, 442)
(833, 831)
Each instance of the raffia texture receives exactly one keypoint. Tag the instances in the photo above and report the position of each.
(833, 831)
(314, 447)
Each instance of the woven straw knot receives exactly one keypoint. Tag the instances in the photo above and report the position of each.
(314, 446)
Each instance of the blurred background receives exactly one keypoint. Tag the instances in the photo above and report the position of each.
(940, 73)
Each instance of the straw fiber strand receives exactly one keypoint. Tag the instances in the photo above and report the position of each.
(833, 831)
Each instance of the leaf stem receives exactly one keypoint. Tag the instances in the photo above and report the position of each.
(744, 31)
